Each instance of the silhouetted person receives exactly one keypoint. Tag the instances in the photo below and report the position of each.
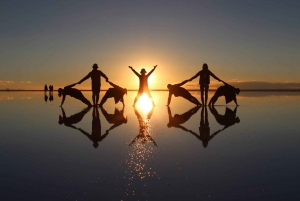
(144, 132)
(45, 88)
(73, 119)
(95, 136)
(75, 93)
(50, 89)
(204, 81)
(117, 119)
(228, 119)
(228, 91)
(51, 97)
(177, 90)
(117, 93)
(95, 76)
(46, 98)
(143, 88)
(179, 119)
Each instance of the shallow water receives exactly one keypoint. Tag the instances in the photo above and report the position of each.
(150, 154)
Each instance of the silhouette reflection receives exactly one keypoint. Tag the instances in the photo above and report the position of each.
(144, 132)
(73, 119)
(179, 119)
(46, 98)
(117, 119)
(228, 119)
(95, 136)
(204, 129)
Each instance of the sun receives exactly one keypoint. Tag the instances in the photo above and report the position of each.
(144, 104)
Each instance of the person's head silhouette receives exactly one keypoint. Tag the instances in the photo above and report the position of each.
(95, 66)
(237, 120)
(237, 90)
(205, 66)
(169, 85)
(95, 145)
(143, 71)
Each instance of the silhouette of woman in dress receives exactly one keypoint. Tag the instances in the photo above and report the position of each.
(204, 81)
(143, 84)
(75, 93)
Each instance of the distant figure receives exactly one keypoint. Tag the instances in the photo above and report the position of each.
(117, 93)
(50, 88)
(95, 75)
(51, 97)
(204, 81)
(75, 93)
(179, 119)
(95, 136)
(117, 119)
(73, 119)
(228, 119)
(177, 90)
(144, 133)
(45, 88)
(228, 91)
(46, 98)
(143, 88)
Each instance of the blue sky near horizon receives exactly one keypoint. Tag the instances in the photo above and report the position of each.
(57, 42)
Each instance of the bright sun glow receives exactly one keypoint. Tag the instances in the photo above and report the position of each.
(144, 104)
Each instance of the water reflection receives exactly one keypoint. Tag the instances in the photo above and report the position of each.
(140, 156)
(73, 119)
(117, 119)
(228, 119)
(145, 129)
(45, 98)
(204, 129)
(96, 135)
(179, 119)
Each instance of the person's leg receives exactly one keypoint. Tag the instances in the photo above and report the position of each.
(149, 95)
(84, 100)
(140, 92)
(202, 94)
(104, 99)
(213, 100)
(97, 97)
(206, 94)
(94, 98)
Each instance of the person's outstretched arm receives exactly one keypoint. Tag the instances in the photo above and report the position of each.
(113, 85)
(70, 86)
(169, 98)
(137, 74)
(151, 71)
(213, 75)
(103, 75)
(63, 100)
(235, 102)
(63, 112)
(194, 76)
(85, 78)
(182, 83)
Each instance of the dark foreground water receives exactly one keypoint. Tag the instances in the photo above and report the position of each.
(179, 153)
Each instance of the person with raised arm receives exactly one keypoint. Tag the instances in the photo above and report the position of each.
(116, 92)
(75, 93)
(177, 90)
(95, 76)
(204, 81)
(143, 88)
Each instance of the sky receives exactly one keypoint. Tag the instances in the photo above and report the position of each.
(251, 43)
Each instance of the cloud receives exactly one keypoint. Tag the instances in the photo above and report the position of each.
(5, 82)
(26, 82)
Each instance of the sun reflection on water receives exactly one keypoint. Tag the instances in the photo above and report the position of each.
(140, 157)
(144, 104)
